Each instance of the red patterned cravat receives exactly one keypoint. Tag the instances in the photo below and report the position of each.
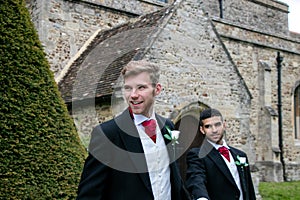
(150, 128)
(225, 152)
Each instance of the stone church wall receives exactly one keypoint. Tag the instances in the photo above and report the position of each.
(265, 15)
(195, 67)
(64, 26)
(249, 49)
(252, 32)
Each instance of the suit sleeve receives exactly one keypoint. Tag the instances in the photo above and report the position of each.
(95, 174)
(196, 175)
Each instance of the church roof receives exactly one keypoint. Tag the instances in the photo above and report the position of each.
(180, 33)
(95, 72)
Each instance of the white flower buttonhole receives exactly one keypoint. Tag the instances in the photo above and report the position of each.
(241, 161)
(173, 135)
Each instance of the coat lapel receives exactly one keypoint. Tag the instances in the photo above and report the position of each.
(174, 171)
(133, 145)
(215, 156)
(240, 170)
(162, 123)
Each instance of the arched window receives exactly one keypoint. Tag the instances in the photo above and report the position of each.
(297, 112)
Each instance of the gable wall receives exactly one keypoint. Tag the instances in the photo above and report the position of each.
(197, 68)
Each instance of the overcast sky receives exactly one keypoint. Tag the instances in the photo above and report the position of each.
(294, 15)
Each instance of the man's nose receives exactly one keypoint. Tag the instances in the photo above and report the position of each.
(134, 93)
(214, 128)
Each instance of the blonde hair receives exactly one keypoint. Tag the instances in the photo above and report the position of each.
(140, 66)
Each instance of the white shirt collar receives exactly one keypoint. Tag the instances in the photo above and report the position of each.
(216, 146)
(138, 119)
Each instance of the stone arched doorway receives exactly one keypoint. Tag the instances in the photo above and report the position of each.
(187, 121)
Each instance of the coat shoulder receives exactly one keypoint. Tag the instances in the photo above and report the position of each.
(238, 151)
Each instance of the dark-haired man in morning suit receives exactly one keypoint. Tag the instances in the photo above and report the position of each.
(124, 163)
(212, 175)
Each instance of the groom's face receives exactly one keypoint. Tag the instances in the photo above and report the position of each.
(140, 93)
(213, 128)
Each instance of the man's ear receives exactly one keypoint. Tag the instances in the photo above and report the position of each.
(224, 125)
(157, 89)
(201, 130)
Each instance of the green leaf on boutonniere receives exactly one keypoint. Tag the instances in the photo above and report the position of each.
(172, 135)
(168, 129)
(237, 163)
(168, 136)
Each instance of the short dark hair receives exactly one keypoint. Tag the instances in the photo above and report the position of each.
(208, 113)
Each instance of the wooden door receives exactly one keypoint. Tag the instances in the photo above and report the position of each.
(190, 137)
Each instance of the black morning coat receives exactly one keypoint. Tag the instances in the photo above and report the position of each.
(208, 175)
(116, 169)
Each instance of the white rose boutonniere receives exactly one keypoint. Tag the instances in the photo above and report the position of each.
(173, 136)
(241, 161)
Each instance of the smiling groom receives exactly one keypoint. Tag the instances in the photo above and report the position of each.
(128, 156)
(217, 171)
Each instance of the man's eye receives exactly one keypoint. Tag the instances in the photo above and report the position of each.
(207, 126)
(142, 87)
(218, 124)
(127, 88)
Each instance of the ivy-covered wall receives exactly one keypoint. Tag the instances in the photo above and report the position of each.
(41, 154)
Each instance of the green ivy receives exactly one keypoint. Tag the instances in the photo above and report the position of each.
(41, 153)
